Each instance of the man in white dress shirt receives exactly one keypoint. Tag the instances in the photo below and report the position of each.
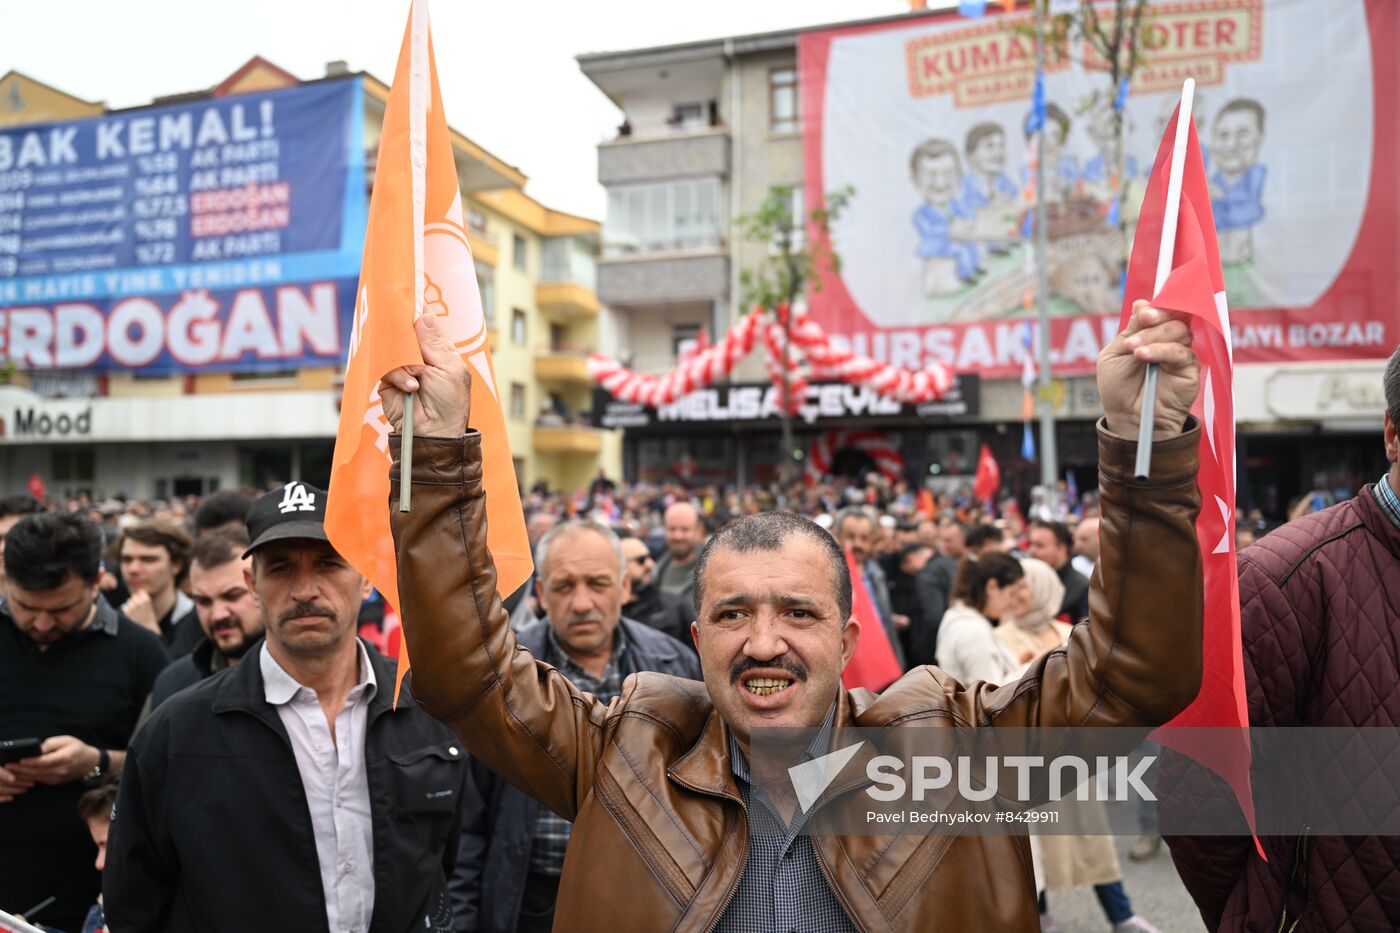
(287, 793)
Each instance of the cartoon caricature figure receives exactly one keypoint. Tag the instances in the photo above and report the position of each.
(943, 223)
(1088, 280)
(1237, 182)
(1099, 171)
(986, 185)
(1198, 114)
(1061, 168)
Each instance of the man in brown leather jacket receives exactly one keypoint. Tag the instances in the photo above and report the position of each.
(656, 782)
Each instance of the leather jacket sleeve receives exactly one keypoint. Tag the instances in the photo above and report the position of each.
(519, 717)
(1138, 660)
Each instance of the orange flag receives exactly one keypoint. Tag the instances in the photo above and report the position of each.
(416, 261)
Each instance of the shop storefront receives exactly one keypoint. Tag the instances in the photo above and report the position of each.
(1308, 428)
(732, 434)
(162, 447)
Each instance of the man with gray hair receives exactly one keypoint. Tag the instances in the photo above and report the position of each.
(512, 850)
(1320, 625)
(854, 530)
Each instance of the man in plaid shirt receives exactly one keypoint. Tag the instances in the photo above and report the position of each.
(512, 851)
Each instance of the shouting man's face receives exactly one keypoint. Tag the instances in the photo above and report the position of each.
(771, 638)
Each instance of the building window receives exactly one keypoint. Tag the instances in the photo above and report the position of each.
(782, 101)
(667, 216)
(476, 221)
(486, 281)
(74, 465)
(288, 376)
(517, 327)
(683, 337)
(558, 338)
(517, 401)
(688, 116)
(798, 239)
(520, 254)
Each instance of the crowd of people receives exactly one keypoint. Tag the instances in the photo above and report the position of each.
(197, 699)
(954, 583)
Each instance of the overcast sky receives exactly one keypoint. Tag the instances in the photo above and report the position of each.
(507, 68)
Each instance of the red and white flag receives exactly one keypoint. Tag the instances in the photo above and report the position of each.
(874, 665)
(1196, 286)
(988, 479)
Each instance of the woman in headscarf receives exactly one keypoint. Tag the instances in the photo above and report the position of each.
(1033, 629)
(1088, 858)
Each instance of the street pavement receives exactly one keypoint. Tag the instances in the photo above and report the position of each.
(1153, 886)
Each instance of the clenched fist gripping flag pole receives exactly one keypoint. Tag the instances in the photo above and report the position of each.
(1175, 260)
(416, 261)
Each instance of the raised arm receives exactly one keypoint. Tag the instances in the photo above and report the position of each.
(1138, 660)
(521, 718)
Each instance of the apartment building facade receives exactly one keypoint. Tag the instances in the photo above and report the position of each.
(115, 432)
(709, 127)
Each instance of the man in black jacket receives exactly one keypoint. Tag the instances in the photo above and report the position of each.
(512, 849)
(1053, 543)
(648, 603)
(286, 792)
(228, 609)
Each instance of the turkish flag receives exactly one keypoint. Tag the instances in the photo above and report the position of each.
(1196, 286)
(988, 479)
(874, 665)
(416, 261)
(36, 487)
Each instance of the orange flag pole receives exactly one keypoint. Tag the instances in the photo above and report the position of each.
(406, 453)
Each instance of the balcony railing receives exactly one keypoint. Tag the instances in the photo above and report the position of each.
(567, 438)
(568, 367)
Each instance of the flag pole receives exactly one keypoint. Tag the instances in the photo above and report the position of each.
(406, 452)
(1164, 267)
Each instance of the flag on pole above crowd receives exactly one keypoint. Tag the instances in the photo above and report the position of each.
(988, 479)
(1194, 284)
(416, 261)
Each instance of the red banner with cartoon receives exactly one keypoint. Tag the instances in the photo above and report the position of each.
(924, 118)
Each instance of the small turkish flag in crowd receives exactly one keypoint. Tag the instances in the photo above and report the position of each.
(37, 488)
(988, 479)
(874, 665)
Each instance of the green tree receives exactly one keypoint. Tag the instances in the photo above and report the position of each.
(1114, 35)
(800, 248)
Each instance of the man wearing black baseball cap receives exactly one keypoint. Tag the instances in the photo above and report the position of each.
(205, 816)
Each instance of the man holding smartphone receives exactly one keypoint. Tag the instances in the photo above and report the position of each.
(74, 674)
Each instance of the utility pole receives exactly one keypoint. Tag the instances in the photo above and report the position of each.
(1049, 459)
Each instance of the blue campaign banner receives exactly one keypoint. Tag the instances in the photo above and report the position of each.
(219, 235)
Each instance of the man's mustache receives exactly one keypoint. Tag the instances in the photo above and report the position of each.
(743, 665)
(299, 610)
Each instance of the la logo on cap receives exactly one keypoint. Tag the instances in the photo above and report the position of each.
(296, 498)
